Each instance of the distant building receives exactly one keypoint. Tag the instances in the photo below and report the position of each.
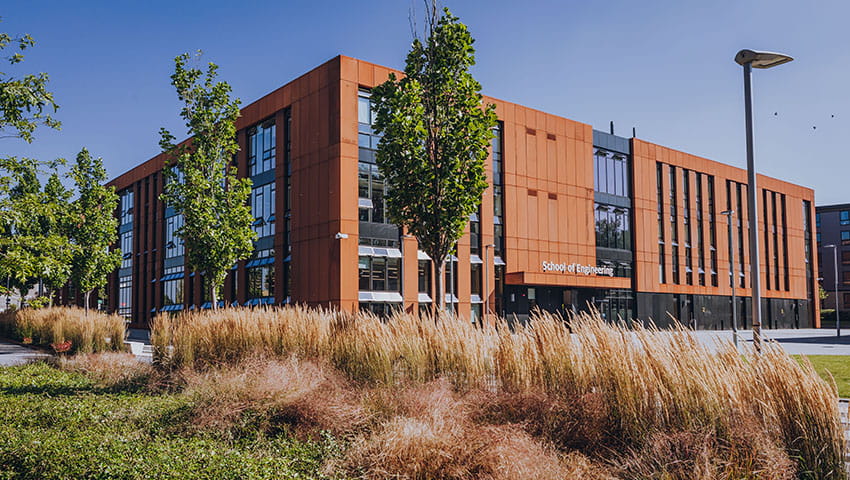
(574, 217)
(833, 228)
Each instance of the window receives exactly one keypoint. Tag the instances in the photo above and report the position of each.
(379, 273)
(367, 139)
(172, 286)
(844, 217)
(260, 274)
(261, 281)
(474, 234)
(263, 209)
(845, 277)
(659, 187)
(498, 193)
(261, 147)
(817, 237)
(424, 276)
(674, 227)
(845, 237)
(712, 231)
(125, 296)
(174, 246)
(476, 279)
(845, 257)
(817, 220)
(611, 173)
(126, 214)
(612, 227)
(686, 225)
(846, 301)
(371, 189)
(127, 249)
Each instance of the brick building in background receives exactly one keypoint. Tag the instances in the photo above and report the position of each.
(573, 217)
(832, 223)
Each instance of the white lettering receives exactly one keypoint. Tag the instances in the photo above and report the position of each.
(577, 268)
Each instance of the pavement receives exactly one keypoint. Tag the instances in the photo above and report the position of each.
(14, 354)
(804, 341)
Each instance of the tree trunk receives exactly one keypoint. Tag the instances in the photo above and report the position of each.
(88, 294)
(50, 298)
(213, 297)
(440, 295)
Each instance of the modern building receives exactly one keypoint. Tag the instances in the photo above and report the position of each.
(832, 223)
(573, 217)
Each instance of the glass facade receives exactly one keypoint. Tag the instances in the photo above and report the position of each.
(126, 200)
(370, 190)
(260, 276)
(612, 211)
(497, 149)
(261, 147)
(172, 286)
(174, 245)
(262, 207)
(379, 274)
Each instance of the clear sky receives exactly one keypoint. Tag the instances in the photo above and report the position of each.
(663, 67)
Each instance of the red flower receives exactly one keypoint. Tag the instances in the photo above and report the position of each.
(27, 340)
(61, 347)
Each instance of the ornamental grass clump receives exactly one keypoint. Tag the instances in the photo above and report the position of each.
(61, 326)
(581, 386)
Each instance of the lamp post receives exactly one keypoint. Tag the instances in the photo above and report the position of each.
(487, 279)
(732, 250)
(835, 265)
(750, 59)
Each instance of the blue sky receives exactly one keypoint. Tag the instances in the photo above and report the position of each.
(663, 67)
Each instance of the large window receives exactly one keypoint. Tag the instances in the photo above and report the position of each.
(367, 140)
(379, 274)
(126, 213)
(371, 189)
(845, 237)
(612, 227)
(611, 173)
(261, 147)
(125, 296)
(172, 286)
(498, 194)
(173, 244)
(262, 207)
(659, 192)
(127, 249)
(260, 275)
(844, 217)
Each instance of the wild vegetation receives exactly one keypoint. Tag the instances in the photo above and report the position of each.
(65, 330)
(309, 393)
(625, 403)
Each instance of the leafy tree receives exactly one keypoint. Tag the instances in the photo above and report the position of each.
(435, 141)
(93, 226)
(25, 102)
(202, 183)
(34, 243)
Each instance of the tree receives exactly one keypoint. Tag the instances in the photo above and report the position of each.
(202, 183)
(436, 135)
(25, 102)
(93, 226)
(34, 242)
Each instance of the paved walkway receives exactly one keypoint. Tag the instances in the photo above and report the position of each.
(14, 354)
(804, 341)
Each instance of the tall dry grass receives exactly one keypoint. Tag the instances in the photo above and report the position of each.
(592, 386)
(95, 332)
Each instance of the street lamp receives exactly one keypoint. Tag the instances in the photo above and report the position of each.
(732, 251)
(487, 280)
(750, 59)
(835, 264)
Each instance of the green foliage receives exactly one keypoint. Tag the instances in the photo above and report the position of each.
(93, 227)
(435, 141)
(202, 184)
(832, 368)
(57, 425)
(25, 102)
(34, 241)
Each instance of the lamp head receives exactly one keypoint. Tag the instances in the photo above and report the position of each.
(761, 59)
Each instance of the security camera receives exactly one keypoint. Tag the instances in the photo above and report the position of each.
(340, 236)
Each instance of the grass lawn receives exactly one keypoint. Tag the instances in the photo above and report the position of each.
(836, 365)
(57, 425)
